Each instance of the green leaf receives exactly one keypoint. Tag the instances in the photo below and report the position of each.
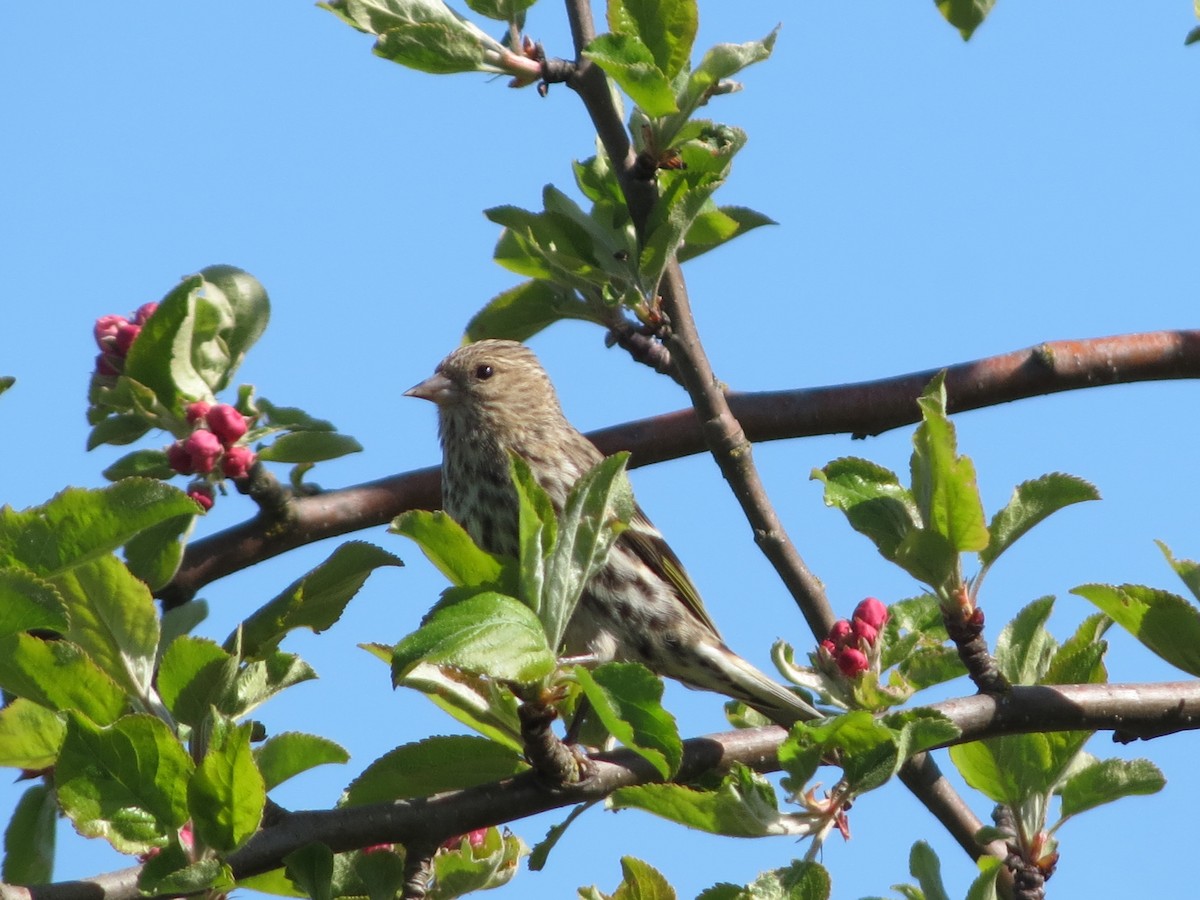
(642, 881)
(598, 508)
(965, 15)
(1024, 648)
(1106, 781)
(476, 868)
(286, 755)
(451, 550)
(29, 838)
(195, 675)
(631, 64)
(744, 805)
(382, 874)
(242, 299)
(682, 200)
(261, 679)
(866, 750)
(874, 501)
(422, 34)
(627, 697)
(984, 886)
(943, 483)
(171, 872)
(522, 311)
(1032, 502)
(309, 447)
(311, 868)
(290, 418)
(315, 601)
(435, 764)
(488, 634)
(78, 525)
(920, 729)
(924, 865)
(502, 10)
(126, 783)
(154, 555)
(714, 227)
(540, 852)
(118, 429)
(1166, 623)
(30, 735)
(1013, 768)
(28, 602)
(179, 621)
(59, 676)
(478, 702)
(113, 618)
(226, 795)
(666, 27)
(1186, 569)
(140, 463)
(6, 381)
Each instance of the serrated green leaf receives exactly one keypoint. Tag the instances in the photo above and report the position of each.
(381, 873)
(488, 634)
(436, 764)
(1024, 648)
(874, 501)
(290, 418)
(541, 850)
(537, 532)
(226, 794)
(929, 666)
(154, 555)
(928, 557)
(744, 805)
(78, 524)
(631, 64)
(178, 621)
(1186, 569)
(477, 867)
(451, 550)
(309, 447)
(920, 729)
(943, 483)
(171, 872)
(195, 675)
(29, 838)
(714, 227)
(140, 463)
(59, 676)
(965, 15)
(286, 755)
(799, 881)
(1032, 502)
(984, 886)
(924, 865)
(642, 881)
(478, 702)
(126, 782)
(522, 311)
(1164, 622)
(113, 618)
(666, 27)
(30, 735)
(1109, 780)
(627, 697)
(27, 603)
(315, 601)
(261, 679)
(118, 429)
(866, 749)
(311, 868)
(682, 199)
(1013, 768)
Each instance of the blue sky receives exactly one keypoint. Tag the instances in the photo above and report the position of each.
(938, 202)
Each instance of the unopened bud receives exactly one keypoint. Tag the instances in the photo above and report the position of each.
(126, 335)
(204, 448)
(145, 311)
(202, 493)
(196, 411)
(237, 462)
(872, 612)
(226, 423)
(105, 331)
(852, 662)
(179, 459)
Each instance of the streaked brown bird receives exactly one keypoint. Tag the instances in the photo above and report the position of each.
(494, 398)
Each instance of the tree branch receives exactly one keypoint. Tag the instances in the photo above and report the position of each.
(1134, 708)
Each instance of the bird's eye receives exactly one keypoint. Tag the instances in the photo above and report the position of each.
(483, 373)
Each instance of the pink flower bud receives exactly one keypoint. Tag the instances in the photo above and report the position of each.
(179, 459)
(202, 493)
(105, 331)
(196, 411)
(840, 632)
(865, 632)
(828, 646)
(204, 448)
(852, 662)
(237, 462)
(378, 848)
(476, 838)
(107, 364)
(872, 612)
(145, 311)
(126, 335)
(226, 423)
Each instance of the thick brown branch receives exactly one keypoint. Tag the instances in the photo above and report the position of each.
(869, 407)
(1144, 708)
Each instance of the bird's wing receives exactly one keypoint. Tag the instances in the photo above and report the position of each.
(650, 546)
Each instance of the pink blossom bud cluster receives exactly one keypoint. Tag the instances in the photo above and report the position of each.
(852, 645)
(212, 447)
(115, 335)
(476, 838)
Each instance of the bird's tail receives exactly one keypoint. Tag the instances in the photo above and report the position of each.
(725, 672)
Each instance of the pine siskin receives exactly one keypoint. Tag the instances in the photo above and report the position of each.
(494, 398)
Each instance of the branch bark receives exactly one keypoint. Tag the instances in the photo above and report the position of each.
(1149, 709)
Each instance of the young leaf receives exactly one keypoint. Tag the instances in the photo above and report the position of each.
(537, 527)
(226, 795)
(1186, 569)
(1013, 768)
(522, 311)
(172, 873)
(744, 805)
(965, 15)
(309, 447)
(195, 675)
(641, 881)
(719, 63)
(598, 508)
(477, 868)
(1109, 780)
(1031, 502)
(59, 676)
(541, 851)
(874, 501)
(924, 866)
(315, 601)
(118, 429)
(154, 555)
(27, 602)
(488, 634)
(261, 679)
(1024, 648)
(311, 869)
(478, 702)
(682, 200)
(984, 886)
(630, 63)
(943, 483)
(30, 735)
(866, 748)
(145, 463)
(288, 754)
(627, 699)
(451, 550)
(1166, 623)
(381, 873)
(436, 764)
(126, 783)
(666, 27)
(29, 838)
(714, 227)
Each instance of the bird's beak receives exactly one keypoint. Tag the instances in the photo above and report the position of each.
(437, 388)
